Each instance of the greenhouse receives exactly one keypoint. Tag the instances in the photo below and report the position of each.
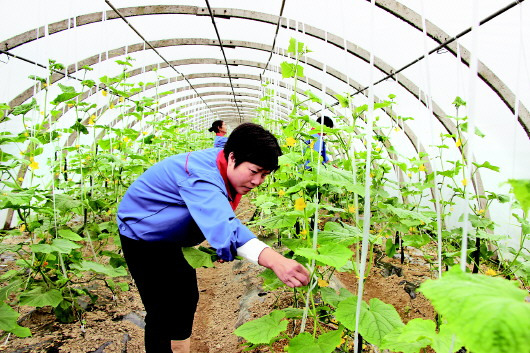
(265, 176)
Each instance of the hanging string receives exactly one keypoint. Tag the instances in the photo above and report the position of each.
(368, 178)
(468, 151)
(428, 101)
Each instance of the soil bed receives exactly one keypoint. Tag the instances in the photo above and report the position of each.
(230, 295)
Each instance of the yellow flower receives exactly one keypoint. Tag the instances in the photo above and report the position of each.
(378, 149)
(458, 143)
(92, 119)
(409, 175)
(490, 272)
(312, 145)
(126, 139)
(77, 146)
(70, 105)
(397, 129)
(281, 193)
(109, 212)
(352, 209)
(303, 232)
(44, 85)
(122, 99)
(372, 175)
(290, 141)
(152, 161)
(23, 227)
(299, 204)
(104, 93)
(144, 132)
(20, 179)
(323, 283)
(33, 165)
(342, 340)
(464, 182)
(41, 113)
(481, 211)
(26, 134)
(116, 181)
(422, 168)
(111, 106)
(69, 179)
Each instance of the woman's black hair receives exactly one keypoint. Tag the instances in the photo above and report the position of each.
(216, 125)
(252, 143)
(327, 121)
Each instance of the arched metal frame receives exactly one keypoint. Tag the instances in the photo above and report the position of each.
(390, 6)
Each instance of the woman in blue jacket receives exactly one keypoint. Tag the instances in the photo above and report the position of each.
(181, 201)
(219, 127)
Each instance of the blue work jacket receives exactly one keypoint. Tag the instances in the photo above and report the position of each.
(183, 199)
(317, 148)
(220, 141)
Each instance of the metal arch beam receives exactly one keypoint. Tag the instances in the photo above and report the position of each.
(391, 6)
(308, 30)
(414, 19)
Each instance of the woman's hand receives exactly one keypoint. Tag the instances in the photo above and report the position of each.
(288, 271)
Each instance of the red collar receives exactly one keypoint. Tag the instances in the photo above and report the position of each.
(319, 133)
(220, 133)
(233, 196)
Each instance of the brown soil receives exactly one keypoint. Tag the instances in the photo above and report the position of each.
(230, 294)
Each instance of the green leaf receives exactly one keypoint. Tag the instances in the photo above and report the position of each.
(264, 329)
(489, 314)
(295, 47)
(197, 258)
(68, 234)
(336, 233)
(312, 96)
(68, 93)
(12, 286)
(106, 270)
(8, 317)
(64, 246)
(330, 296)
(376, 319)
(270, 280)
(325, 343)
(24, 108)
(464, 127)
(15, 199)
(335, 255)
(344, 101)
(37, 298)
(410, 338)
(406, 214)
(21, 331)
(291, 70)
(286, 220)
(416, 240)
(341, 178)
(65, 202)
(521, 190)
(287, 69)
(487, 165)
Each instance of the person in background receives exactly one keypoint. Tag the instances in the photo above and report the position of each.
(319, 144)
(219, 127)
(181, 201)
(328, 122)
